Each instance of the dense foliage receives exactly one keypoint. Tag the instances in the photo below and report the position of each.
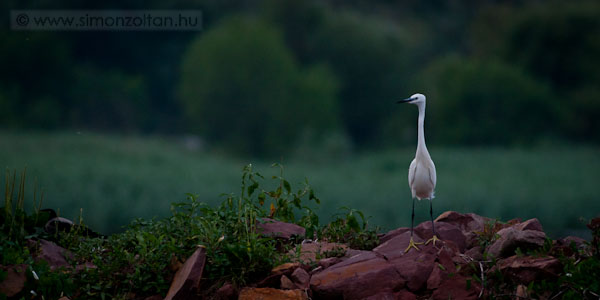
(142, 260)
(263, 72)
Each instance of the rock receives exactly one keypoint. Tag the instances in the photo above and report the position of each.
(286, 283)
(301, 278)
(531, 224)
(577, 241)
(521, 292)
(271, 294)
(85, 266)
(226, 292)
(443, 268)
(285, 268)
(475, 253)
(187, 279)
(382, 296)
(51, 253)
(456, 287)
(395, 247)
(470, 224)
(512, 238)
(274, 228)
(527, 269)
(58, 224)
(466, 222)
(415, 267)
(392, 234)
(312, 252)
(327, 262)
(356, 278)
(445, 231)
(14, 281)
(405, 295)
(274, 280)
(436, 277)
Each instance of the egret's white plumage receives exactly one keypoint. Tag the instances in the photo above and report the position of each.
(421, 173)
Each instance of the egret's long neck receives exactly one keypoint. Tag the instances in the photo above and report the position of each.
(421, 147)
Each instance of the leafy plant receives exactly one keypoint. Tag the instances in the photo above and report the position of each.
(141, 261)
(15, 224)
(346, 228)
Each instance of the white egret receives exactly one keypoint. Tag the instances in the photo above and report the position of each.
(421, 173)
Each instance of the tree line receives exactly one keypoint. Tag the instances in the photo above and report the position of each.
(264, 75)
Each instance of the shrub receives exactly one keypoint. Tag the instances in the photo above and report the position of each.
(242, 89)
(486, 102)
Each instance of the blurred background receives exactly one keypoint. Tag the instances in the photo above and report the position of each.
(122, 124)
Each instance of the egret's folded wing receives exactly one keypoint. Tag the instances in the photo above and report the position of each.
(411, 172)
(432, 175)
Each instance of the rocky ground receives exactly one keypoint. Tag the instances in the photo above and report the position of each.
(476, 258)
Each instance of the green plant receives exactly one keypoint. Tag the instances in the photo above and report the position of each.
(15, 224)
(139, 260)
(346, 228)
(580, 278)
(488, 235)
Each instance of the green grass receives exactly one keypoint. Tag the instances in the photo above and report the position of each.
(118, 178)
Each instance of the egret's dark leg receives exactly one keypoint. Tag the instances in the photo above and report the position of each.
(431, 215)
(412, 218)
(412, 243)
(434, 238)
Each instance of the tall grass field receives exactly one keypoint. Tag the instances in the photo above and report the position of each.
(114, 179)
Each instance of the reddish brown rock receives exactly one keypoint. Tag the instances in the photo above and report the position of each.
(521, 292)
(312, 252)
(286, 283)
(226, 292)
(475, 253)
(531, 224)
(466, 222)
(85, 266)
(274, 228)
(327, 262)
(436, 277)
(392, 234)
(356, 278)
(446, 257)
(470, 224)
(285, 268)
(301, 278)
(14, 281)
(405, 295)
(395, 247)
(456, 287)
(445, 231)
(512, 238)
(271, 294)
(51, 253)
(187, 279)
(382, 296)
(415, 266)
(527, 269)
(577, 241)
(274, 279)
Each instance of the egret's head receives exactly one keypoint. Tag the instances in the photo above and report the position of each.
(414, 99)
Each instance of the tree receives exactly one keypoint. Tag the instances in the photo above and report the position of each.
(241, 89)
(486, 102)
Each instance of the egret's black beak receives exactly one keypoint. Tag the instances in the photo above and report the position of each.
(407, 100)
